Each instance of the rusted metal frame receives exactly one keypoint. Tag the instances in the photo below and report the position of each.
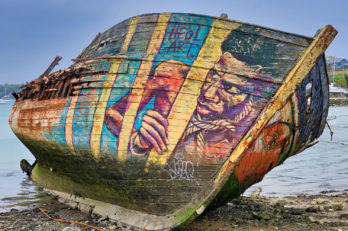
(291, 83)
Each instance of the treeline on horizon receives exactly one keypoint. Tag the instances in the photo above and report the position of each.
(7, 89)
(340, 78)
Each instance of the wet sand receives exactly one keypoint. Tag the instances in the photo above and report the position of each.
(319, 212)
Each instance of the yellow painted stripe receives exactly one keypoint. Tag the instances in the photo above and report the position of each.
(99, 115)
(69, 124)
(291, 83)
(209, 54)
(138, 86)
(131, 30)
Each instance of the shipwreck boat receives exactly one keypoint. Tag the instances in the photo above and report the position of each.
(164, 115)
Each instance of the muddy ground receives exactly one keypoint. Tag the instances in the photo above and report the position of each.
(320, 212)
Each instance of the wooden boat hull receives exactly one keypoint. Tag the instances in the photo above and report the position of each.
(165, 114)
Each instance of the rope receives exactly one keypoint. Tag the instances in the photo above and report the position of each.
(71, 222)
(197, 125)
(331, 132)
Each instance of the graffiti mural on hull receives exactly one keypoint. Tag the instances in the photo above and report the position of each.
(155, 109)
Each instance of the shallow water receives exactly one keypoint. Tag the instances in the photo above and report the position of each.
(323, 167)
(15, 188)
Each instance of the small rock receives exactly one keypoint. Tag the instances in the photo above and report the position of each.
(102, 219)
(312, 219)
(112, 227)
(320, 201)
(320, 222)
(256, 215)
(257, 192)
(330, 210)
(104, 222)
(279, 206)
(265, 216)
(344, 216)
(313, 209)
(301, 195)
(337, 206)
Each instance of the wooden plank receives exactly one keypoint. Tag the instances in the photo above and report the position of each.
(292, 81)
(99, 114)
(137, 93)
(216, 36)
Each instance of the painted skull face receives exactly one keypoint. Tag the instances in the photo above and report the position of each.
(222, 90)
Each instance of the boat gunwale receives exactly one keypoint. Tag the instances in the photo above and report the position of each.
(305, 43)
(219, 18)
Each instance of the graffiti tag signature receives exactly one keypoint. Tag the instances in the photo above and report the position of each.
(180, 169)
(182, 39)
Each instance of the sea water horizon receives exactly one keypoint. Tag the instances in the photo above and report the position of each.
(323, 167)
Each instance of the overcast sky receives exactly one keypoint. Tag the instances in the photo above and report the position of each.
(33, 32)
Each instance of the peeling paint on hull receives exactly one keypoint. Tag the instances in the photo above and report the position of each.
(164, 115)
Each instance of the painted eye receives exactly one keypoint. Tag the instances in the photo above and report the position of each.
(227, 86)
(230, 87)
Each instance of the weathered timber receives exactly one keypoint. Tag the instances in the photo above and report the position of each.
(164, 115)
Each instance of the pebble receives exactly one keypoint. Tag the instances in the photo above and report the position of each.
(102, 219)
(265, 216)
(337, 206)
(112, 227)
(257, 192)
(313, 209)
(301, 195)
(311, 219)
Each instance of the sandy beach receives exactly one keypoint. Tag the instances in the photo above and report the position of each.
(327, 211)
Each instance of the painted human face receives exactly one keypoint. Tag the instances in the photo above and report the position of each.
(222, 90)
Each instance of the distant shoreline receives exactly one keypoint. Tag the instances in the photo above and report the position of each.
(338, 101)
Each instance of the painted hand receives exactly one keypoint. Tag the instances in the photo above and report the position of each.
(153, 132)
